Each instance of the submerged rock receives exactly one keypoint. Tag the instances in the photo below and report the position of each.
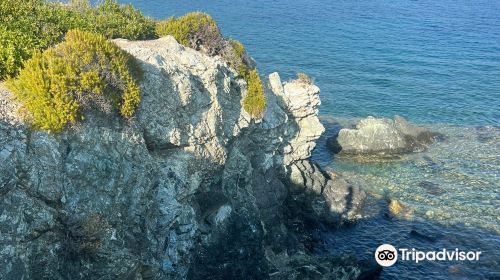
(423, 236)
(431, 188)
(397, 208)
(382, 136)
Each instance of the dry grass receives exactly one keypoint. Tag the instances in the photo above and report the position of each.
(303, 78)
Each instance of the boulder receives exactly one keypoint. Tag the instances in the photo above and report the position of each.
(330, 199)
(382, 136)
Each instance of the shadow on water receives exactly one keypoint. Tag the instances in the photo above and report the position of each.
(362, 238)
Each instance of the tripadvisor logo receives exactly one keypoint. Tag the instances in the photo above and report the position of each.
(387, 255)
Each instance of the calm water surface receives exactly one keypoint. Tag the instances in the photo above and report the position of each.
(431, 61)
(436, 63)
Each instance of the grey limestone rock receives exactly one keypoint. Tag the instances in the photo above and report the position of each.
(382, 136)
(189, 188)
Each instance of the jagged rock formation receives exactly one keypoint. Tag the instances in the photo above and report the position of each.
(382, 136)
(190, 188)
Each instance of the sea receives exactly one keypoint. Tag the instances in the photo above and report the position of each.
(437, 64)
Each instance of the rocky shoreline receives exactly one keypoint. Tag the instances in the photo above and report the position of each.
(190, 188)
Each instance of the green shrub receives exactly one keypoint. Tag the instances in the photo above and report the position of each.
(255, 100)
(85, 71)
(35, 25)
(26, 26)
(12, 52)
(194, 30)
(236, 57)
(118, 21)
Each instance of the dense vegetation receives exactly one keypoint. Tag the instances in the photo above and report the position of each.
(35, 25)
(83, 73)
(195, 30)
(36, 47)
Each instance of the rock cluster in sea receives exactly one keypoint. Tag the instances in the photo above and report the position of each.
(190, 188)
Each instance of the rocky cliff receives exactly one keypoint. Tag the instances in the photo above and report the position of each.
(190, 188)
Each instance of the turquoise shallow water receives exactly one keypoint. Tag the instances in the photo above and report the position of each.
(452, 197)
(437, 63)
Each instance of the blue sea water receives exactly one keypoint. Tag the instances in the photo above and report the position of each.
(437, 63)
(430, 61)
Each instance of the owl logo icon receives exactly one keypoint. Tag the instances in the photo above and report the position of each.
(386, 255)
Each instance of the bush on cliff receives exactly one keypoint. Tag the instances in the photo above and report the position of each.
(26, 26)
(199, 31)
(255, 101)
(30, 26)
(236, 56)
(196, 30)
(303, 78)
(84, 72)
(115, 21)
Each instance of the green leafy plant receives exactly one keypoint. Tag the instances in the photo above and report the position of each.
(84, 72)
(255, 100)
(27, 26)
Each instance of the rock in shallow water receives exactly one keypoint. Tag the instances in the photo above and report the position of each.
(382, 136)
(431, 188)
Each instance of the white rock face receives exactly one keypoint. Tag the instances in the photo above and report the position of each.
(189, 99)
(306, 117)
(294, 107)
(8, 108)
